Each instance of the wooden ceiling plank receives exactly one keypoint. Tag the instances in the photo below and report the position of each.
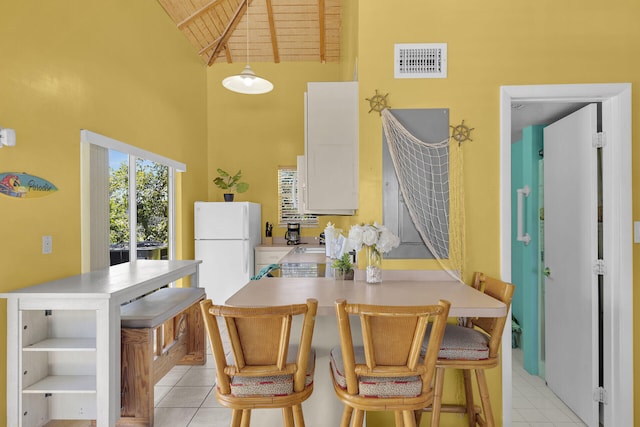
(198, 12)
(228, 31)
(321, 22)
(272, 31)
(281, 30)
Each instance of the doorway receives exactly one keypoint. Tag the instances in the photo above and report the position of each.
(616, 111)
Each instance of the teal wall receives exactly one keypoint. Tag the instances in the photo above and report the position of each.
(524, 265)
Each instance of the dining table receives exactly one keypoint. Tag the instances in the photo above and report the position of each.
(323, 408)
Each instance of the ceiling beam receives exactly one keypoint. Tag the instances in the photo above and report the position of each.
(197, 13)
(322, 35)
(209, 46)
(272, 30)
(228, 31)
(227, 54)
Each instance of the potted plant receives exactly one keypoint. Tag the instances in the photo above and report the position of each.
(231, 183)
(343, 267)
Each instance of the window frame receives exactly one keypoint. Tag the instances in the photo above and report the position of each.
(94, 235)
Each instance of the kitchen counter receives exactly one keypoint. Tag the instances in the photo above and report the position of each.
(304, 260)
(306, 254)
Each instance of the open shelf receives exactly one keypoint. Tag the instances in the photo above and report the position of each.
(64, 384)
(63, 344)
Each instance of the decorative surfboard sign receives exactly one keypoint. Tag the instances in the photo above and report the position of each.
(24, 186)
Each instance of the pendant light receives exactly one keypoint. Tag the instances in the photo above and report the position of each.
(247, 81)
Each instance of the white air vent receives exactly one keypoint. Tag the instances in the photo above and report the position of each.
(420, 61)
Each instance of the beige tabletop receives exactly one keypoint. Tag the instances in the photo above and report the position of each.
(465, 301)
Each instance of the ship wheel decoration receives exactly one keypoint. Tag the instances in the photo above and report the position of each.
(378, 102)
(461, 133)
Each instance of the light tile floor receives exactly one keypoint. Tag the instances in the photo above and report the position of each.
(535, 405)
(184, 398)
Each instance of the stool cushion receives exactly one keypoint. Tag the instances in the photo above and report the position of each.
(157, 307)
(410, 386)
(461, 343)
(278, 385)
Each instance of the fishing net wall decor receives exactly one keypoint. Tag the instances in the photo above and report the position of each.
(430, 179)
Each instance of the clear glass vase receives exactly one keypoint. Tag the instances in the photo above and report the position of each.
(374, 262)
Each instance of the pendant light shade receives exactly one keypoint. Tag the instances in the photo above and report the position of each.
(247, 81)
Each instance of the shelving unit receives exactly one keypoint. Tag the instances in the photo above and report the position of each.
(48, 341)
(63, 342)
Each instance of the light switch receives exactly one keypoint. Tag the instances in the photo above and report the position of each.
(636, 232)
(46, 244)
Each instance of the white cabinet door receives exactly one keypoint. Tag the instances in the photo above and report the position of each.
(331, 148)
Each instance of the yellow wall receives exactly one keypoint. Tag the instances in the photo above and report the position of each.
(118, 68)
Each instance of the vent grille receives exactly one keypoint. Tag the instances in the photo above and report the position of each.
(420, 61)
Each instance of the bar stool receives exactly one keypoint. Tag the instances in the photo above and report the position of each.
(387, 373)
(471, 349)
(262, 370)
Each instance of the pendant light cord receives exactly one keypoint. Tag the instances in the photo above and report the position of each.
(247, 31)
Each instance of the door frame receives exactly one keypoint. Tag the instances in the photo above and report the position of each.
(618, 247)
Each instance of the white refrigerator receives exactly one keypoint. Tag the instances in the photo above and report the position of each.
(225, 236)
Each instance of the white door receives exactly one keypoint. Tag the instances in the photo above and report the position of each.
(571, 248)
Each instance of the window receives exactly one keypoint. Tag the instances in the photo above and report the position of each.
(288, 199)
(152, 209)
(149, 191)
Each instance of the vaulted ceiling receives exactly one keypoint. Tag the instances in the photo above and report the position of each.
(278, 30)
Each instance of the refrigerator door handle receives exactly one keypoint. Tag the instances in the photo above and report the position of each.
(245, 255)
(245, 221)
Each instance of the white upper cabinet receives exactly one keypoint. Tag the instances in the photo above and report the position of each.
(329, 176)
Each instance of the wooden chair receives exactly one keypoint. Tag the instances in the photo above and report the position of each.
(262, 369)
(473, 347)
(387, 373)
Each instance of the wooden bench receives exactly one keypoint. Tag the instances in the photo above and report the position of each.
(158, 331)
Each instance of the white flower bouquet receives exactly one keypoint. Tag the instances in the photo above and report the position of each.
(377, 239)
(376, 236)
